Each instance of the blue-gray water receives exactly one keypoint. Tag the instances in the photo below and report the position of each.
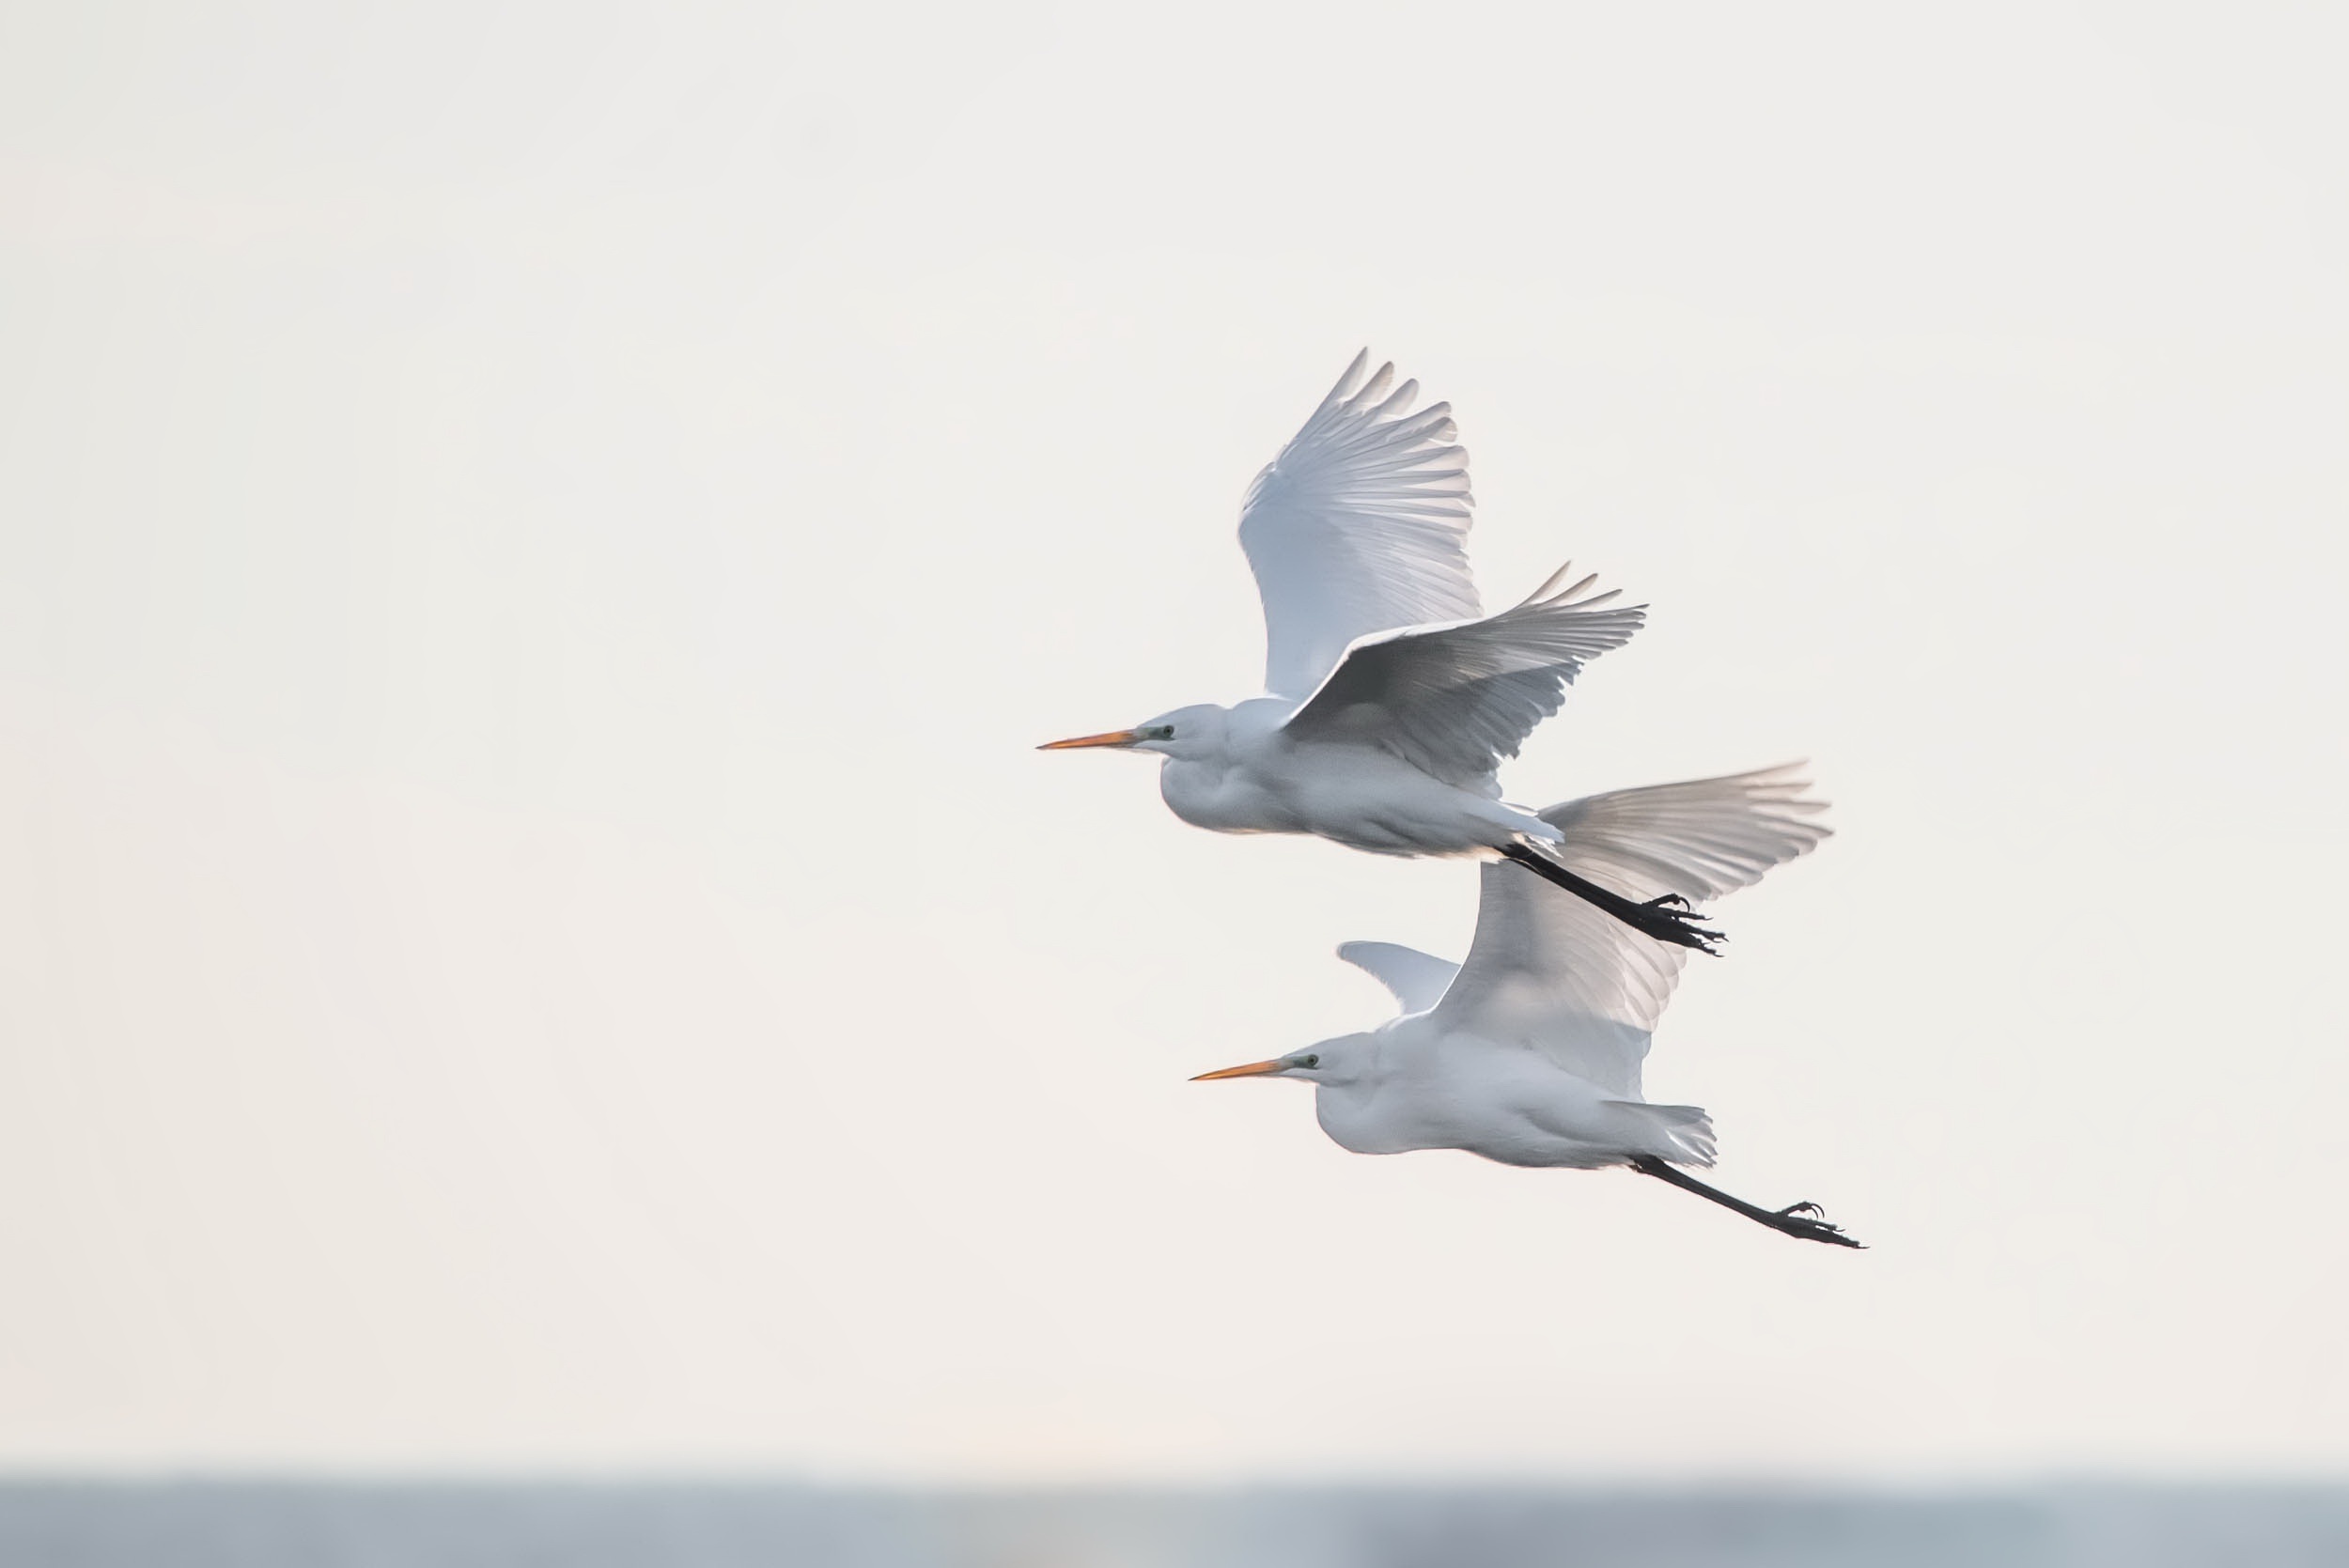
(241, 1525)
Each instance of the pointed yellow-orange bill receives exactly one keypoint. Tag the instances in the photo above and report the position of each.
(1253, 1069)
(1113, 737)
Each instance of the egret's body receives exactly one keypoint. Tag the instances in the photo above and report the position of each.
(1426, 1088)
(1530, 1052)
(1265, 778)
(1392, 698)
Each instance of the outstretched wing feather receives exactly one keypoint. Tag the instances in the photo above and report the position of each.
(1550, 970)
(1456, 701)
(1359, 525)
(1417, 980)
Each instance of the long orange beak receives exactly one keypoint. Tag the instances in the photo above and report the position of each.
(1113, 737)
(1253, 1069)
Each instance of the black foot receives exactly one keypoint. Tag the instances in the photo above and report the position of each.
(1791, 1220)
(1807, 1221)
(1669, 919)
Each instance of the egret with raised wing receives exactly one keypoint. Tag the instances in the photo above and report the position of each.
(1529, 1053)
(1391, 697)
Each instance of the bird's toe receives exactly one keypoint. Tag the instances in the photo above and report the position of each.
(1677, 925)
(1704, 942)
(1813, 1230)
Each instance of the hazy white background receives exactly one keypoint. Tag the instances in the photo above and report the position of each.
(536, 541)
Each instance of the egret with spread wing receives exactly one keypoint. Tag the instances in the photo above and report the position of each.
(1530, 1052)
(1392, 698)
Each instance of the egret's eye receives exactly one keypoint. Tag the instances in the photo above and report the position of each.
(1313, 1061)
(1164, 732)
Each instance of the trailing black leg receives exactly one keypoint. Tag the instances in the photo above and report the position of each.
(1790, 1219)
(1668, 919)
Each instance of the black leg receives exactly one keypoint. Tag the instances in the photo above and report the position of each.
(1789, 1220)
(1668, 919)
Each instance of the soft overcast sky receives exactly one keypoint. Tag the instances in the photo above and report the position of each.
(536, 540)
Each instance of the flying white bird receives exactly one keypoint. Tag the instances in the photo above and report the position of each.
(1530, 1052)
(1392, 699)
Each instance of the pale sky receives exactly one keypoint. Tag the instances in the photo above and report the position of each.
(536, 540)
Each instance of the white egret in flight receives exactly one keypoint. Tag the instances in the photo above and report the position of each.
(1392, 698)
(1530, 1052)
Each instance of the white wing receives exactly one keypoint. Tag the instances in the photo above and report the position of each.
(1455, 701)
(1359, 525)
(1417, 979)
(1548, 969)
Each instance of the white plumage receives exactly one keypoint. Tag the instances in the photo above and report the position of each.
(1358, 526)
(1530, 1052)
